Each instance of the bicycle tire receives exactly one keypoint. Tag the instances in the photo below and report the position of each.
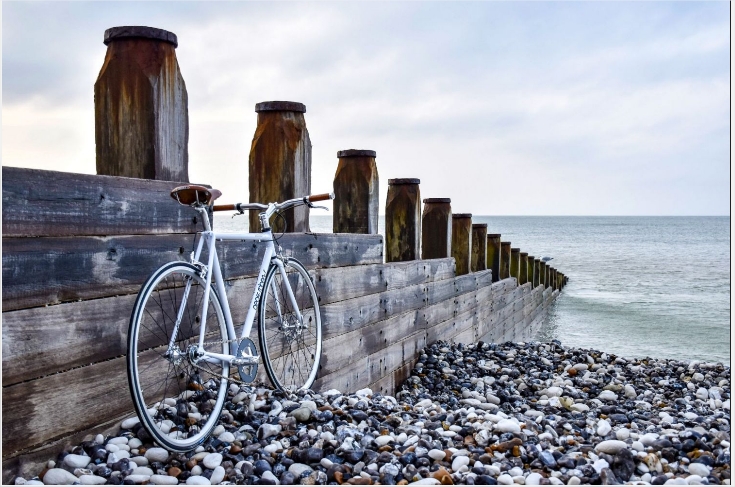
(291, 352)
(165, 414)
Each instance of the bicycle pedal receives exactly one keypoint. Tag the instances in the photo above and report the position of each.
(247, 353)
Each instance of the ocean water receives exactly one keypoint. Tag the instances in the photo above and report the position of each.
(638, 286)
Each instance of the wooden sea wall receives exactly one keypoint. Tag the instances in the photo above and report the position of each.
(76, 249)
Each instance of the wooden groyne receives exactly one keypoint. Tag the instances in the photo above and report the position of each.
(76, 249)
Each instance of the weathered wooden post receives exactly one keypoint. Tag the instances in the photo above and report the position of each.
(523, 268)
(515, 263)
(141, 117)
(536, 272)
(552, 278)
(479, 247)
(280, 163)
(403, 220)
(504, 260)
(462, 242)
(436, 228)
(530, 268)
(545, 274)
(356, 196)
(493, 254)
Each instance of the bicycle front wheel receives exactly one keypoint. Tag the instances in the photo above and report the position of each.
(290, 330)
(164, 375)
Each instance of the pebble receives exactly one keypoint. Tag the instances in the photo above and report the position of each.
(531, 413)
(59, 476)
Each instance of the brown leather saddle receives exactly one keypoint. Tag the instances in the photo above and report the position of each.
(193, 194)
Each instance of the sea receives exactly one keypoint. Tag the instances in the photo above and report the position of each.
(638, 286)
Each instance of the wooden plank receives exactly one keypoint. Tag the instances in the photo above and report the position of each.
(53, 203)
(312, 249)
(89, 331)
(43, 271)
(390, 382)
(43, 410)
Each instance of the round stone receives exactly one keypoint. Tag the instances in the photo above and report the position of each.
(212, 460)
(198, 480)
(163, 480)
(610, 447)
(59, 476)
(156, 455)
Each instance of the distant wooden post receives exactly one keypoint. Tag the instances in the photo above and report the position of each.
(552, 278)
(523, 269)
(356, 197)
(504, 260)
(515, 263)
(141, 117)
(436, 228)
(462, 242)
(493, 254)
(544, 274)
(280, 163)
(537, 281)
(479, 247)
(530, 268)
(403, 220)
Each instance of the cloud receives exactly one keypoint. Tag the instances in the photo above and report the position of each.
(608, 104)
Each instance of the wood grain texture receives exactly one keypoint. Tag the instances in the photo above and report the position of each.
(462, 242)
(356, 195)
(61, 204)
(44, 271)
(402, 222)
(479, 247)
(280, 167)
(436, 229)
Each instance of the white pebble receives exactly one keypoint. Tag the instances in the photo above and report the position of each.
(92, 480)
(574, 480)
(119, 440)
(77, 461)
(505, 479)
(608, 396)
(460, 462)
(622, 434)
(218, 475)
(163, 480)
(508, 426)
(533, 479)
(226, 437)
(610, 447)
(212, 460)
(198, 480)
(130, 423)
(699, 469)
(603, 427)
(138, 479)
(59, 476)
(437, 454)
(385, 439)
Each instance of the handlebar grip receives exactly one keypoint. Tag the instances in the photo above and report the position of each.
(224, 208)
(320, 197)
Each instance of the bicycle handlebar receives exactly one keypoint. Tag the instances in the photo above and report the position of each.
(306, 200)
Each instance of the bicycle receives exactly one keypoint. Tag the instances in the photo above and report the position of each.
(181, 335)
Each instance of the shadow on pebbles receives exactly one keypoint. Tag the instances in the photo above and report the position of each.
(483, 414)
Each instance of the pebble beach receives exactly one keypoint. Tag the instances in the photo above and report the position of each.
(480, 414)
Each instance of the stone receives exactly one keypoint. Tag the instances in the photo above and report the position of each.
(212, 460)
(198, 480)
(267, 430)
(610, 446)
(508, 426)
(77, 461)
(533, 478)
(603, 427)
(92, 480)
(699, 469)
(218, 475)
(459, 462)
(130, 423)
(302, 414)
(59, 476)
(164, 479)
(156, 455)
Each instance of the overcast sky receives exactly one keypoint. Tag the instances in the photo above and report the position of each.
(507, 108)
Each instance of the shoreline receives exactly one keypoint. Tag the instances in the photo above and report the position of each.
(526, 413)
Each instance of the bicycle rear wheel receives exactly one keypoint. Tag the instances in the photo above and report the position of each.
(291, 348)
(164, 381)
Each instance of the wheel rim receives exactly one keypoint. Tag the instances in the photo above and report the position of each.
(291, 349)
(164, 380)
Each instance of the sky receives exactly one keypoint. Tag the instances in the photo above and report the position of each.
(508, 108)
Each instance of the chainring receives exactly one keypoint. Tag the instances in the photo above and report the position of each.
(247, 349)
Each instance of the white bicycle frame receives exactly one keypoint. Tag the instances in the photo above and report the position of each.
(212, 270)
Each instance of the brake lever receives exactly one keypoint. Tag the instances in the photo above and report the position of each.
(318, 207)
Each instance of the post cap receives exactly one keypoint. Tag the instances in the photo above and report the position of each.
(524, 254)
(355, 153)
(479, 225)
(437, 200)
(515, 249)
(141, 32)
(461, 215)
(395, 182)
(505, 243)
(531, 257)
(493, 235)
(280, 106)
